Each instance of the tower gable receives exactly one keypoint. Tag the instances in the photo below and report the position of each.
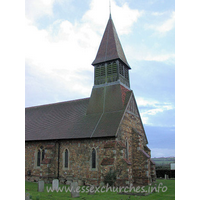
(132, 106)
(132, 110)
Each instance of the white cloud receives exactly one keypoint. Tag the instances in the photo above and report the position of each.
(153, 111)
(143, 52)
(64, 51)
(38, 8)
(159, 57)
(144, 102)
(158, 13)
(123, 16)
(165, 27)
(63, 57)
(152, 108)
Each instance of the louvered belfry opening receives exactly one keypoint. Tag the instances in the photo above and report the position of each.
(110, 64)
(110, 72)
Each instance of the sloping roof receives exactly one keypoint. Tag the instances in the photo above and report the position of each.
(108, 99)
(110, 47)
(63, 120)
(68, 120)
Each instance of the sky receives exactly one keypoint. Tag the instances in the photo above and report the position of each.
(61, 41)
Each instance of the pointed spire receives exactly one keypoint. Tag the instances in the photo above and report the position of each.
(110, 47)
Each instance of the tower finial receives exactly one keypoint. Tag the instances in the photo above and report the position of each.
(109, 8)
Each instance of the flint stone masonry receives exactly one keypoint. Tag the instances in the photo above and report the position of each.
(74, 186)
(40, 186)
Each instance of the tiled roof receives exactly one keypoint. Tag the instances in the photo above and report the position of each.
(108, 99)
(110, 47)
(58, 121)
(68, 120)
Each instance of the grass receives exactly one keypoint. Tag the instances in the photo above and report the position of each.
(31, 188)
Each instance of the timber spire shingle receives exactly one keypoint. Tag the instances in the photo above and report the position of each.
(110, 47)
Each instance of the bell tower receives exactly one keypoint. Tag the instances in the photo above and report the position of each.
(110, 64)
(111, 74)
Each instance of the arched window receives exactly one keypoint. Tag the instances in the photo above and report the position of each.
(93, 158)
(126, 150)
(38, 158)
(66, 159)
(40, 155)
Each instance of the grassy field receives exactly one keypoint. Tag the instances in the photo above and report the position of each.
(31, 188)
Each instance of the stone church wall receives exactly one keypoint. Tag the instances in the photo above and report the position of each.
(131, 130)
(132, 167)
(79, 161)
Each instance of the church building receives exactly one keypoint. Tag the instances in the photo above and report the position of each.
(86, 138)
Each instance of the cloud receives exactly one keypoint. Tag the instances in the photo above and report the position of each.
(35, 9)
(158, 13)
(165, 26)
(159, 58)
(62, 52)
(123, 16)
(63, 59)
(148, 53)
(144, 102)
(149, 109)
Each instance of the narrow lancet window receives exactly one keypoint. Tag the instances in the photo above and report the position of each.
(126, 150)
(42, 154)
(93, 159)
(66, 158)
(38, 157)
